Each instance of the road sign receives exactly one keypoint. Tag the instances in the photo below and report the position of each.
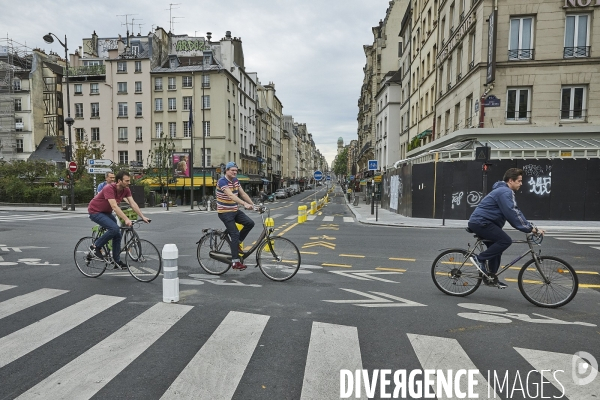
(318, 175)
(373, 165)
(328, 178)
(61, 179)
(99, 163)
(98, 170)
(72, 166)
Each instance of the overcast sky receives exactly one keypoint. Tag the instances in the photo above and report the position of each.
(311, 49)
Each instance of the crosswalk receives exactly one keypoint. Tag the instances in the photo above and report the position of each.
(216, 370)
(323, 218)
(591, 239)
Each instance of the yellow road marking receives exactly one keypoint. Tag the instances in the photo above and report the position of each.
(352, 255)
(390, 269)
(404, 259)
(287, 229)
(337, 265)
(588, 286)
(587, 272)
(308, 252)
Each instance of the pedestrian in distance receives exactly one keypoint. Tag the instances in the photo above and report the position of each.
(109, 178)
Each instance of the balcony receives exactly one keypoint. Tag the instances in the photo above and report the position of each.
(521, 54)
(87, 70)
(577, 52)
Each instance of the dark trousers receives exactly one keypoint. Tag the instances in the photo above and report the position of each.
(497, 242)
(230, 219)
(109, 222)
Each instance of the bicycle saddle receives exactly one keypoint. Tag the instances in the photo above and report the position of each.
(474, 234)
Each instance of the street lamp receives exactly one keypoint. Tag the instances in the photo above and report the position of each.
(204, 53)
(69, 121)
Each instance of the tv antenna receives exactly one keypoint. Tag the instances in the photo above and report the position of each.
(171, 8)
(126, 24)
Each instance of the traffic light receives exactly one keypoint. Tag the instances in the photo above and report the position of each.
(486, 167)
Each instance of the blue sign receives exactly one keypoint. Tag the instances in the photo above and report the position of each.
(492, 101)
(328, 178)
(318, 175)
(373, 165)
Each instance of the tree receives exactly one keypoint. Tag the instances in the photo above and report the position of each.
(160, 160)
(340, 168)
(86, 150)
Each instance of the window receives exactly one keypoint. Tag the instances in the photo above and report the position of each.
(138, 134)
(19, 145)
(157, 83)
(573, 103)
(158, 129)
(206, 101)
(577, 32)
(138, 64)
(205, 81)
(138, 87)
(18, 105)
(517, 104)
(122, 87)
(139, 156)
(135, 50)
(186, 81)
(469, 111)
(122, 109)
(78, 110)
(95, 134)
(94, 88)
(520, 44)
(208, 158)
(123, 157)
(19, 124)
(187, 103)
(206, 129)
(16, 84)
(172, 84)
(121, 66)
(172, 104)
(158, 105)
(173, 129)
(138, 109)
(79, 134)
(123, 134)
(451, 19)
(78, 89)
(95, 110)
(187, 132)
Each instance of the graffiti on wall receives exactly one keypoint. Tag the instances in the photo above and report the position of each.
(456, 199)
(540, 178)
(185, 46)
(473, 198)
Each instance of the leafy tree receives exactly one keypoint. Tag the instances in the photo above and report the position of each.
(84, 151)
(160, 160)
(340, 168)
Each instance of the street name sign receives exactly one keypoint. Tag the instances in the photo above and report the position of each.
(100, 163)
(98, 170)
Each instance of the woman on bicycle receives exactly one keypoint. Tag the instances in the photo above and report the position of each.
(489, 218)
(101, 208)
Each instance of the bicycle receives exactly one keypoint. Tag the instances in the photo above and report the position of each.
(545, 281)
(141, 256)
(277, 257)
(207, 204)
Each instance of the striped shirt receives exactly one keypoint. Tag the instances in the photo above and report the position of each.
(224, 203)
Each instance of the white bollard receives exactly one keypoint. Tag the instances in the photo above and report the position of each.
(170, 254)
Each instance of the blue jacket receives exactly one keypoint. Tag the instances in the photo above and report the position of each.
(498, 207)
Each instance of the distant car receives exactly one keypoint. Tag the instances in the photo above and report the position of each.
(281, 194)
(319, 184)
(309, 186)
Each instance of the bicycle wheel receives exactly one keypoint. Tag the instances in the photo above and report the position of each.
(280, 260)
(146, 263)
(559, 287)
(86, 262)
(454, 274)
(219, 244)
(131, 245)
(202, 205)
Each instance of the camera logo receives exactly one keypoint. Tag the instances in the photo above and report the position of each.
(584, 368)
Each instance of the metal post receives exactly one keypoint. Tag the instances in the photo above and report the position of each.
(444, 210)
(191, 126)
(203, 137)
(170, 254)
(484, 191)
(372, 202)
(376, 212)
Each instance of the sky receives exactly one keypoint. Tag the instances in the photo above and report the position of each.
(312, 50)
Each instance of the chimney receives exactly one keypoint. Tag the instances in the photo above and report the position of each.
(228, 35)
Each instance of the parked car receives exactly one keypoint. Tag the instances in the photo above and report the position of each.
(281, 194)
(309, 186)
(289, 191)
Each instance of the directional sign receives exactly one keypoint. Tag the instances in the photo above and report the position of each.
(100, 163)
(98, 170)
(373, 165)
(318, 175)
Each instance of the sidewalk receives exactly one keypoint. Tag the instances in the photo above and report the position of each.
(80, 208)
(362, 212)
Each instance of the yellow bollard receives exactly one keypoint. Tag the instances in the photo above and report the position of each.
(301, 214)
(313, 207)
(267, 247)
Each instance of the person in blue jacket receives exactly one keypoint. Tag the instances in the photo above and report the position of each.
(489, 218)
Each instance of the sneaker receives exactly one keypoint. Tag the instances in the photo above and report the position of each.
(495, 282)
(477, 264)
(238, 265)
(120, 265)
(97, 252)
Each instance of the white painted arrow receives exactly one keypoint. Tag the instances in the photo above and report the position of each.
(365, 275)
(377, 301)
(5, 247)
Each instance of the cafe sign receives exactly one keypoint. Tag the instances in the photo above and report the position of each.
(457, 38)
(581, 3)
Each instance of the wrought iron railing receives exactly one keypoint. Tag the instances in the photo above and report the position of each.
(87, 70)
(521, 54)
(518, 115)
(578, 114)
(574, 52)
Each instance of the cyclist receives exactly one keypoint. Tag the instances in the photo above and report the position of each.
(100, 210)
(110, 178)
(229, 195)
(489, 218)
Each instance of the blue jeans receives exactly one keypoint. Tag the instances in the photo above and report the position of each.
(498, 242)
(109, 222)
(230, 219)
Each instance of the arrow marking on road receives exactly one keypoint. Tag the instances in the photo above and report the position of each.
(5, 247)
(329, 226)
(330, 246)
(381, 300)
(365, 275)
(322, 237)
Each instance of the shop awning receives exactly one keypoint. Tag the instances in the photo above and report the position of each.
(243, 178)
(266, 181)
(182, 182)
(426, 132)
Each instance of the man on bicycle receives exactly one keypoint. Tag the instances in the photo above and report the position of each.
(110, 178)
(489, 218)
(101, 208)
(229, 192)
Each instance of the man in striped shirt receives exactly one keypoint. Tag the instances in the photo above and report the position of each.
(229, 195)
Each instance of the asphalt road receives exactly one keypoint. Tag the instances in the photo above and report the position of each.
(363, 299)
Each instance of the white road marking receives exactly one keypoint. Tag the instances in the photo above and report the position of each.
(22, 302)
(328, 218)
(6, 287)
(348, 219)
